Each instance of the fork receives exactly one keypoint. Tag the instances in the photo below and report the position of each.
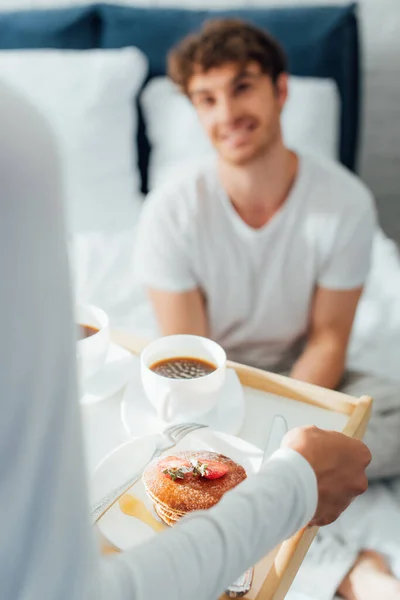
(166, 440)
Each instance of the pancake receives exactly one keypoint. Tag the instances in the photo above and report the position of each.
(165, 516)
(173, 497)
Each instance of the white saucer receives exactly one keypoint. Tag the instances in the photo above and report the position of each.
(111, 378)
(125, 531)
(139, 417)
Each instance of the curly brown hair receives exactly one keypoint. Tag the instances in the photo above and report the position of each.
(222, 41)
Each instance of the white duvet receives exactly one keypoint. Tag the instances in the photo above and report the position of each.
(375, 342)
(102, 267)
(103, 272)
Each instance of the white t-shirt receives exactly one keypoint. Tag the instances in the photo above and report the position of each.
(258, 283)
(48, 549)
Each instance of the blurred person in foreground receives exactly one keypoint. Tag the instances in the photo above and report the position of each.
(48, 549)
(266, 251)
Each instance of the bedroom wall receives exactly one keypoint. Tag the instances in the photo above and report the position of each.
(380, 31)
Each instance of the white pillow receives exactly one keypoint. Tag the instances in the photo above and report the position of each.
(310, 123)
(88, 98)
(311, 116)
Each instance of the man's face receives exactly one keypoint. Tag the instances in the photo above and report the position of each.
(240, 109)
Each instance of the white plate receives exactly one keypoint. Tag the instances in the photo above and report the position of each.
(139, 417)
(125, 531)
(111, 378)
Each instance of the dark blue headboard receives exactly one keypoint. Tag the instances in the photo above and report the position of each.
(319, 41)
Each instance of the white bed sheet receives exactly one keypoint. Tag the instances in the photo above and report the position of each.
(102, 271)
(375, 341)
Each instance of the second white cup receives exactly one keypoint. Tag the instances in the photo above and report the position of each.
(182, 399)
(92, 350)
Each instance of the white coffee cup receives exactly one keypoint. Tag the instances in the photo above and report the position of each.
(182, 399)
(92, 351)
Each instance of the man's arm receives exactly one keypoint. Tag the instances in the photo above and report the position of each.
(323, 359)
(180, 312)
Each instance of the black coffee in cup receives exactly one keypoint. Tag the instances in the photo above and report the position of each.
(85, 331)
(183, 367)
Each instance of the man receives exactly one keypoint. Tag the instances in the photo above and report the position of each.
(262, 249)
(48, 549)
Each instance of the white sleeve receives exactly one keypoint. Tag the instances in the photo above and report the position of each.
(163, 257)
(348, 261)
(44, 514)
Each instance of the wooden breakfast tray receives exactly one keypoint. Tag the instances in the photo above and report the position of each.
(275, 573)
